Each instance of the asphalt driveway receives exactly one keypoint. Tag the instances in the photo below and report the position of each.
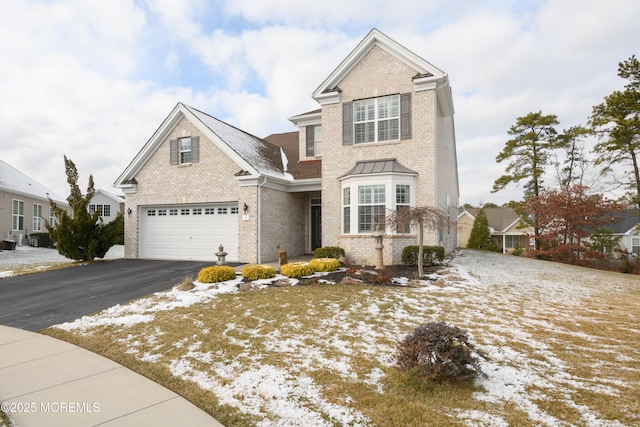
(37, 301)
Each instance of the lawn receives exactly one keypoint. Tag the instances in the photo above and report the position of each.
(562, 343)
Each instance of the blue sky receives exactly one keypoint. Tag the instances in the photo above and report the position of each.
(94, 79)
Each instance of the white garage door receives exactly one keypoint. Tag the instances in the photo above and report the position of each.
(189, 232)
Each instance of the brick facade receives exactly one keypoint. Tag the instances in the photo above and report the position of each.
(378, 74)
(278, 206)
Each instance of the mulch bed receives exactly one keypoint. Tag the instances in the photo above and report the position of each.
(369, 275)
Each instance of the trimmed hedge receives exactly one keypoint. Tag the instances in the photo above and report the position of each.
(329, 252)
(297, 269)
(432, 255)
(42, 240)
(258, 272)
(216, 273)
(325, 264)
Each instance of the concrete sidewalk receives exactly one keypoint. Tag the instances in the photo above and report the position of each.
(48, 382)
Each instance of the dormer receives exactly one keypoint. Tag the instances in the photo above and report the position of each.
(310, 141)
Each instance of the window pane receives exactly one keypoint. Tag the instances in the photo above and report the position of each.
(317, 139)
(378, 194)
(402, 194)
(365, 219)
(364, 194)
(185, 150)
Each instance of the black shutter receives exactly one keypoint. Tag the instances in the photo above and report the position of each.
(405, 116)
(347, 123)
(310, 141)
(195, 149)
(173, 152)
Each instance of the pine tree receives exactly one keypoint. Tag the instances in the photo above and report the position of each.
(480, 236)
(83, 236)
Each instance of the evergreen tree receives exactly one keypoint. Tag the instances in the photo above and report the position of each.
(82, 236)
(617, 122)
(480, 236)
(534, 138)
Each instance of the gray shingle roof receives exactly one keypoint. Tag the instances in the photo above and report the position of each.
(14, 181)
(378, 167)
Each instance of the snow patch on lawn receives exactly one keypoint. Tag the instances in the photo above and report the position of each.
(479, 288)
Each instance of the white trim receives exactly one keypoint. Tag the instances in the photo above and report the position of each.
(371, 40)
(179, 112)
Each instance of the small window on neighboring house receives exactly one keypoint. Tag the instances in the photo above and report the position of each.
(314, 141)
(371, 207)
(52, 217)
(346, 210)
(635, 245)
(37, 217)
(92, 209)
(106, 210)
(511, 241)
(403, 201)
(17, 215)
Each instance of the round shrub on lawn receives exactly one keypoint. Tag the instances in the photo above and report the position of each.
(437, 351)
(325, 264)
(258, 271)
(297, 269)
(216, 273)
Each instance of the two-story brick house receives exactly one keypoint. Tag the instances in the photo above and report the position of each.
(382, 139)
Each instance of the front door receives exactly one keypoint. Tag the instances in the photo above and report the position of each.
(316, 227)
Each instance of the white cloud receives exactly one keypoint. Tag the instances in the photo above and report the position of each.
(93, 80)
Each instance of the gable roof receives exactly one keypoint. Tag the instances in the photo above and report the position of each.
(14, 181)
(499, 219)
(114, 197)
(253, 155)
(428, 76)
(625, 222)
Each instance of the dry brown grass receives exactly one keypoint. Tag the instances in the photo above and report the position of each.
(578, 352)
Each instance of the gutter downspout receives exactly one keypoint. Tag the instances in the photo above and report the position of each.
(260, 219)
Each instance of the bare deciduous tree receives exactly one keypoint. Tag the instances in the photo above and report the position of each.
(421, 217)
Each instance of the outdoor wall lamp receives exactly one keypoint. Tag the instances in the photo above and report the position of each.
(129, 211)
(245, 208)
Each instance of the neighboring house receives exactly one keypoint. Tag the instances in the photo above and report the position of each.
(504, 224)
(107, 204)
(382, 139)
(627, 227)
(24, 205)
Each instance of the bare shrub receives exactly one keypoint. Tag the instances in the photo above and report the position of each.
(437, 351)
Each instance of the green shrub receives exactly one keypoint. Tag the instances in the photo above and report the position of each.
(439, 352)
(329, 252)
(325, 264)
(432, 255)
(216, 273)
(258, 272)
(41, 240)
(297, 269)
